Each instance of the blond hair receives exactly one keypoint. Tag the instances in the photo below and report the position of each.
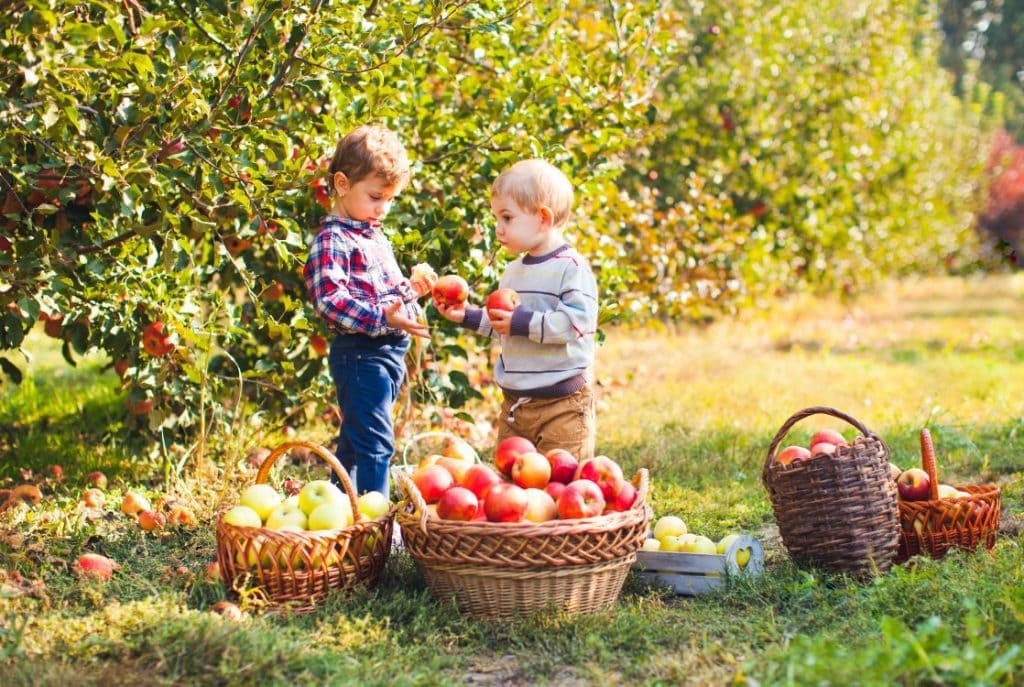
(371, 150)
(533, 184)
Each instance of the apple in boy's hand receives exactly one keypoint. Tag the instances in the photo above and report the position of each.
(503, 299)
(450, 290)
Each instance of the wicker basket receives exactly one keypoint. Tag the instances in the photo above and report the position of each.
(298, 569)
(504, 570)
(836, 512)
(937, 525)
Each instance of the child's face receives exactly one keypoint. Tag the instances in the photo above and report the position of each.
(367, 200)
(516, 229)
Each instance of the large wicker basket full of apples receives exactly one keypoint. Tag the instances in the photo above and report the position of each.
(535, 531)
(294, 551)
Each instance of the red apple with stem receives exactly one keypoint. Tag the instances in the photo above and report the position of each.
(450, 289)
(432, 481)
(914, 485)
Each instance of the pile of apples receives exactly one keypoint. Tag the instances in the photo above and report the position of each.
(825, 442)
(671, 534)
(319, 505)
(523, 486)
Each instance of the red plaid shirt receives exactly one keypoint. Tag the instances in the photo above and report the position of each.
(351, 275)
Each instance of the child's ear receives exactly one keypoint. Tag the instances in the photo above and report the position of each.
(340, 184)
(547, 216)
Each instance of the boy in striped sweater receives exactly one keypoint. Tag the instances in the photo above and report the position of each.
(547, 342)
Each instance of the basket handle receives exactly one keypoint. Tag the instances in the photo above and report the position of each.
(807, 412)
(434, 433)
(928, 463)
(327, 456)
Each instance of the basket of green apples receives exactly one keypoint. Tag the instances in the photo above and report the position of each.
(296, 550)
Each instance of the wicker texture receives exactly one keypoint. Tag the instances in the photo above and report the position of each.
(837, 512)
(298, 569)
(503, 570)
(937, 525)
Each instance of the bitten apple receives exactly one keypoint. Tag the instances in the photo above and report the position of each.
(450, 290)
(604, 472)
(510, 449)
(563, 465)
(582, 498)
(506, 503)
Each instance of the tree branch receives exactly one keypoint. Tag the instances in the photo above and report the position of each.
(290, 60)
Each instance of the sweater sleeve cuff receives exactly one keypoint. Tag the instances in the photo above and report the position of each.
(520, 325)
(472, 319)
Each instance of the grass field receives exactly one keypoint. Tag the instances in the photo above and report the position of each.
(697, 407)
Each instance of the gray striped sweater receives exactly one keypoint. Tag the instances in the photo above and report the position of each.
(550, 350)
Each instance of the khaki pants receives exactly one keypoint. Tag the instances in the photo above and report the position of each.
(568, 422)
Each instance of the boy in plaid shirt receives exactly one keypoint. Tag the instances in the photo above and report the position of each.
(357, 287)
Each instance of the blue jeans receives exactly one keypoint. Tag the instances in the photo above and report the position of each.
(368, 374)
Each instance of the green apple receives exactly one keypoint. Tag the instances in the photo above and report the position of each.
(373, 505)
(700, 544)
(254, 557)
(243, 516)
(669, 525)
(286, 514)
(292, 500)
(331, 516)
(319, 492)
(651, 545)
(671, 542)
(726, 542)
(262, 498)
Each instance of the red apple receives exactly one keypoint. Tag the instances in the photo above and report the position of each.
(541, 506)
(479, 479)
(154, 341)
(458, 503)
(139, 407)
(273, 292)
(603, 471)
(510, 449)
(458, 468)
(531, 470)
(57, 471)
(432, 481)
(623, 499)
(93, 498)
(236, 245)
(121, 366)
(555, 489)
(914, 485)
(582, 499)
(823, 448)
(180, 515)
(792, 454)
(563, 465)
(503, 299)
(95, 565)
(450, 290)
(318, 344)
(506, 503)
(54, 325)
(828, 436)
(150, 520)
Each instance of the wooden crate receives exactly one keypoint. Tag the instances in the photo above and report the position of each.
(690, 574)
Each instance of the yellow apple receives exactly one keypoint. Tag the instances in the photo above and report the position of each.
(286, 515)
(726, 542)
(669, 525)
(651, 545)
(262, 498)
(700, 544)
(292, 500)
(948, 492)
(317, 493)
(671, 542)
(330, 516)
(243, 516)
(373, 505)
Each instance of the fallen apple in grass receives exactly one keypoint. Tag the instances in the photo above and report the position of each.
(132, 503)
(97, 479)
(93, 498)
(95, 566)
(150, 520)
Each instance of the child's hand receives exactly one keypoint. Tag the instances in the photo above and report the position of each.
(395, 319)
(501, 321)
(456, 312)
(422, 279)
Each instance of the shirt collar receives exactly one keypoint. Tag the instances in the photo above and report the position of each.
(366, 228)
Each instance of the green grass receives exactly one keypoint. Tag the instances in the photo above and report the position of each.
(697, 407)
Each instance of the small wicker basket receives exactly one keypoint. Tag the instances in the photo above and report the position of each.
(836, 512)
(505, 570)
(937, 525)
(298, 569)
